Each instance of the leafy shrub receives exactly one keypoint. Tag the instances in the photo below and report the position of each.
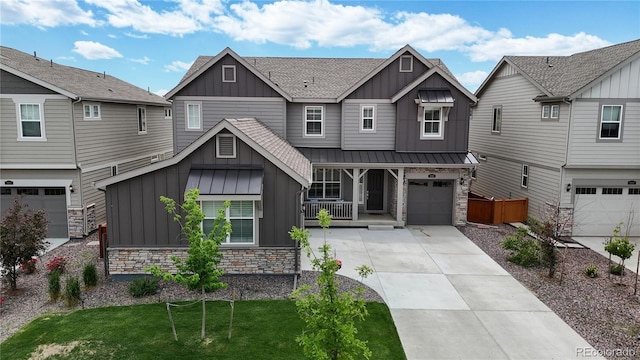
(90, 275)
(526, 251)
(29, 266)
(57, 264)
(54, 286)
(616, 269)
(591, 271)
(72, 293)
(143, 286)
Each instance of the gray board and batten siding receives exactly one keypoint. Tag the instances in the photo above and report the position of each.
(12, 84)
(456, 132)
(270, 111)
(141, 220)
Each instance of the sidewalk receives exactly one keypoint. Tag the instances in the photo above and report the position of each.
(448, 299)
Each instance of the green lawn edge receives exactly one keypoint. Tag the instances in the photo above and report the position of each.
(262, 329)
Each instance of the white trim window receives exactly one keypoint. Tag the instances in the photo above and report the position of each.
(30, 122)
(610, 122)
(314, 121)
(325, 184)
(432, 124)
(193, 115)
(368, 118)
(524, 179)
(550, 112)
(406, 63)
(229, 73)
(496, 123)
(225, 146)
(241, 215)
(142, 120)
(91, 111)
(168, 113)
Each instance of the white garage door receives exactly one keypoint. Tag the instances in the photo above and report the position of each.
(598, 210)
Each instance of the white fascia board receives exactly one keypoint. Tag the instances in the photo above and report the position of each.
(38, 166)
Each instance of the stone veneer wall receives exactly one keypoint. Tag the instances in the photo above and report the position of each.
(280, 261)
(563, 216)
(461, 191)
(75, 218)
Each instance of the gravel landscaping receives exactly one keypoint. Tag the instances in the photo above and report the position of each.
(603, 311)
(32, 298)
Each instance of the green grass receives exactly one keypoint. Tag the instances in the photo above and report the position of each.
(261, 330)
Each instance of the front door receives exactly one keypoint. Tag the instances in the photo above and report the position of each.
(375, 190)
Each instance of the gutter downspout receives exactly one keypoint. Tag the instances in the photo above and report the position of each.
(75, 155)
(300, 212)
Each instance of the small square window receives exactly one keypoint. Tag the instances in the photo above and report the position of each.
(91, 111)
(406, 63)
(228, 73)
(168, 114)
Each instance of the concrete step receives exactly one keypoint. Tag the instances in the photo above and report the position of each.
(380, 227)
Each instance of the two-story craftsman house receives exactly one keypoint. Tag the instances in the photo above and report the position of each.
(564, 131)
(62, 128)
(373, 141)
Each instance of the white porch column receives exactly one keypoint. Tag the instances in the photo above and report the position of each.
(356, 194)
(400, 194)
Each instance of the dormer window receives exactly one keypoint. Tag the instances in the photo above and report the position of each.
(406, 63)
(228, 73)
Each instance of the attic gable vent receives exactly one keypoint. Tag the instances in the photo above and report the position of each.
(406, 63)
(226, 146)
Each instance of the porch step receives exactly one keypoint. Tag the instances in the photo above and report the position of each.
(381, 227)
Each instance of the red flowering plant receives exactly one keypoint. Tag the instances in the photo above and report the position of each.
(29, 266)
(57, 264)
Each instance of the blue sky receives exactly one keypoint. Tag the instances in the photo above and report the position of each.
(152, 43)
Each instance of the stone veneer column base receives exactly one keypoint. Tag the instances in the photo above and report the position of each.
(276, 261)
(75, 217)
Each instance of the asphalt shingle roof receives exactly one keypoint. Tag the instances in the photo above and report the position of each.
(86, 84)
(327, 78)
(564, 75)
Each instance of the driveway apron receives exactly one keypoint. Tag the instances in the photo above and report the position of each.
(450, 300)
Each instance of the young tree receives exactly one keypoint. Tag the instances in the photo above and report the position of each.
(22, 234)
(621, 247)
(199, 270)
(329, 315)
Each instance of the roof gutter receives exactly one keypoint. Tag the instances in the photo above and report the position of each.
(547, 99)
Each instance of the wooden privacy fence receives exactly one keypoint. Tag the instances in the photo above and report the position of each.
(496, 211)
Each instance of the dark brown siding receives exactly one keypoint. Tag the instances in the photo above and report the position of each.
(136, 217)
(210, 83)
(388, 81)
(11, 84)
(456, 130)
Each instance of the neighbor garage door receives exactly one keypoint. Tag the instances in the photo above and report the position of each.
(598, 210)
(53, 200)
(430, 202)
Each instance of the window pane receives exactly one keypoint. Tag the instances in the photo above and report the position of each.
(611, 113)
(31, 129)
(332, 191)
(193, 113)
(242, 231)
(241, 209)
(367, 123)
(314, 113)
(318, 175)
(96, 111)
(609, 130)
(314, 128)
(545, 111)
(87, 111)
(29, 111)
(315, 191)
(554, 111)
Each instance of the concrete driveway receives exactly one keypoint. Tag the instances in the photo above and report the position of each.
(448, 299)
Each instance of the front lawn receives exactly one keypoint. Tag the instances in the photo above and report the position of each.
(262, 329)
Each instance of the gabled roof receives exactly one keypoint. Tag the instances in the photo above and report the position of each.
(250, 131)
(425, 76)
(73, 82)
(565, 76)
(327, 79)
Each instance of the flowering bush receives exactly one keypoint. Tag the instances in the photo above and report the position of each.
(57, 264)
(29, 266)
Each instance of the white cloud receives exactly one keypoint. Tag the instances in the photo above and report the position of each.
(178, 66)
(502, 43)
(44, 13)
(472, 79)
(94, 50)
(136, 36)
(145, 60)
(161, 92)
(190, 16)
(84, 33)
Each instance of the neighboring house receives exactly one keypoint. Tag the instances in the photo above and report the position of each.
(62, 128)
(563, 131)
(373, 141)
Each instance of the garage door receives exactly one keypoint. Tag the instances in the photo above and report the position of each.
(430, 202)
(53, 200)
(598, 210)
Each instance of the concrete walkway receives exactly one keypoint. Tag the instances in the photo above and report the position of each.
(596, 243)
(448, 299)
